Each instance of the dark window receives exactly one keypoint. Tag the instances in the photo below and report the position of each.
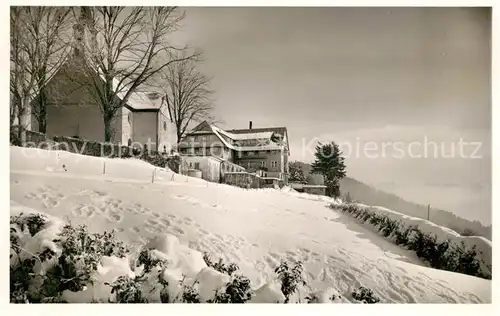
(129, 142)
(197, 165)
(164, 126)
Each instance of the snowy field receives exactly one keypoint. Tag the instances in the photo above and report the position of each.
(255, 229)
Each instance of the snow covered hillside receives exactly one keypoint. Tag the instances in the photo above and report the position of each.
(256, 229)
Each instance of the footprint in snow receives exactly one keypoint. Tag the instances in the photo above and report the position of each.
(151, 222)
(178, 230)
(165, 222)
(171, 216)
(115, 217)
(83, 210)
(204, 232)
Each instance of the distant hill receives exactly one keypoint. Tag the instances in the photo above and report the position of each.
(369, 195)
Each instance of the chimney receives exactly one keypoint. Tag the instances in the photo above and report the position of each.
(250, 125)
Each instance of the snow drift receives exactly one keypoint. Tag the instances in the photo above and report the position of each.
(256, 229)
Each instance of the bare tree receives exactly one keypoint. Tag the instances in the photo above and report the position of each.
(37, 50)
(187, 95)
(126, 48)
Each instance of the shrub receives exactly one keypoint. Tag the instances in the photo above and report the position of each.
(190, 293)
(33, 222)
(128, 290)
(440, 255)
(238, 290)
(149, 261)
(291, 277)
(402, 234)
(220, 266)
(20, 277)
(313, 298)
(365, 295)
(80, 254)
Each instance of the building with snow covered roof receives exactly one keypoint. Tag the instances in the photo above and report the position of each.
(263, 150)
(72, 109)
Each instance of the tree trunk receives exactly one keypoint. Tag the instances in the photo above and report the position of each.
(23, 117)
(13, 111)
(108, 129)
(42, 111)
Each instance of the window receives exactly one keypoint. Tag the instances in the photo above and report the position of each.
(250, 153)
(262, 163)
(129, 142)
(274, 164)
(197, 165)
(164, 125)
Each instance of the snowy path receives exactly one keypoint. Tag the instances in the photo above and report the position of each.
(253, 229)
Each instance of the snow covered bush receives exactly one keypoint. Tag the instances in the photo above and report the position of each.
(238, 290)
(220, 266)
(33, 222)
(128, 290)
(291, 277)
(445, 254)
(56, 262)
(326, 296)
(66, 262)
(365, 295)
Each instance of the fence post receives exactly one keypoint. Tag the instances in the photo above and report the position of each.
(104, 168)
(153, 177)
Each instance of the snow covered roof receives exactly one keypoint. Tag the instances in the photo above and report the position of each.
(138, 100)
(263, 138)
(261, 135)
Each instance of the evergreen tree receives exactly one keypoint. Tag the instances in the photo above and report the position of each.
(296, 173)
(330, 163)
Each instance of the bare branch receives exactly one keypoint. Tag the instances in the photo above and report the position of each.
(187, 93)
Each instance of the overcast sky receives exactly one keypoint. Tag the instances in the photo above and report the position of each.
(361, 75)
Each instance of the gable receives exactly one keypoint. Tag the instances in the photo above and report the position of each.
(202, 127)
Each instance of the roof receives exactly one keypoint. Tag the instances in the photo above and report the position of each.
(313, 186)
(138, 100)
(243, 134)
(278, 130)
(260, 135)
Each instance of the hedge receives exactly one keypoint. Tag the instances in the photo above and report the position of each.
(444, 255)
(96, 149)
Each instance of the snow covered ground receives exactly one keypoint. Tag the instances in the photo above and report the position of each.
(256, 229)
